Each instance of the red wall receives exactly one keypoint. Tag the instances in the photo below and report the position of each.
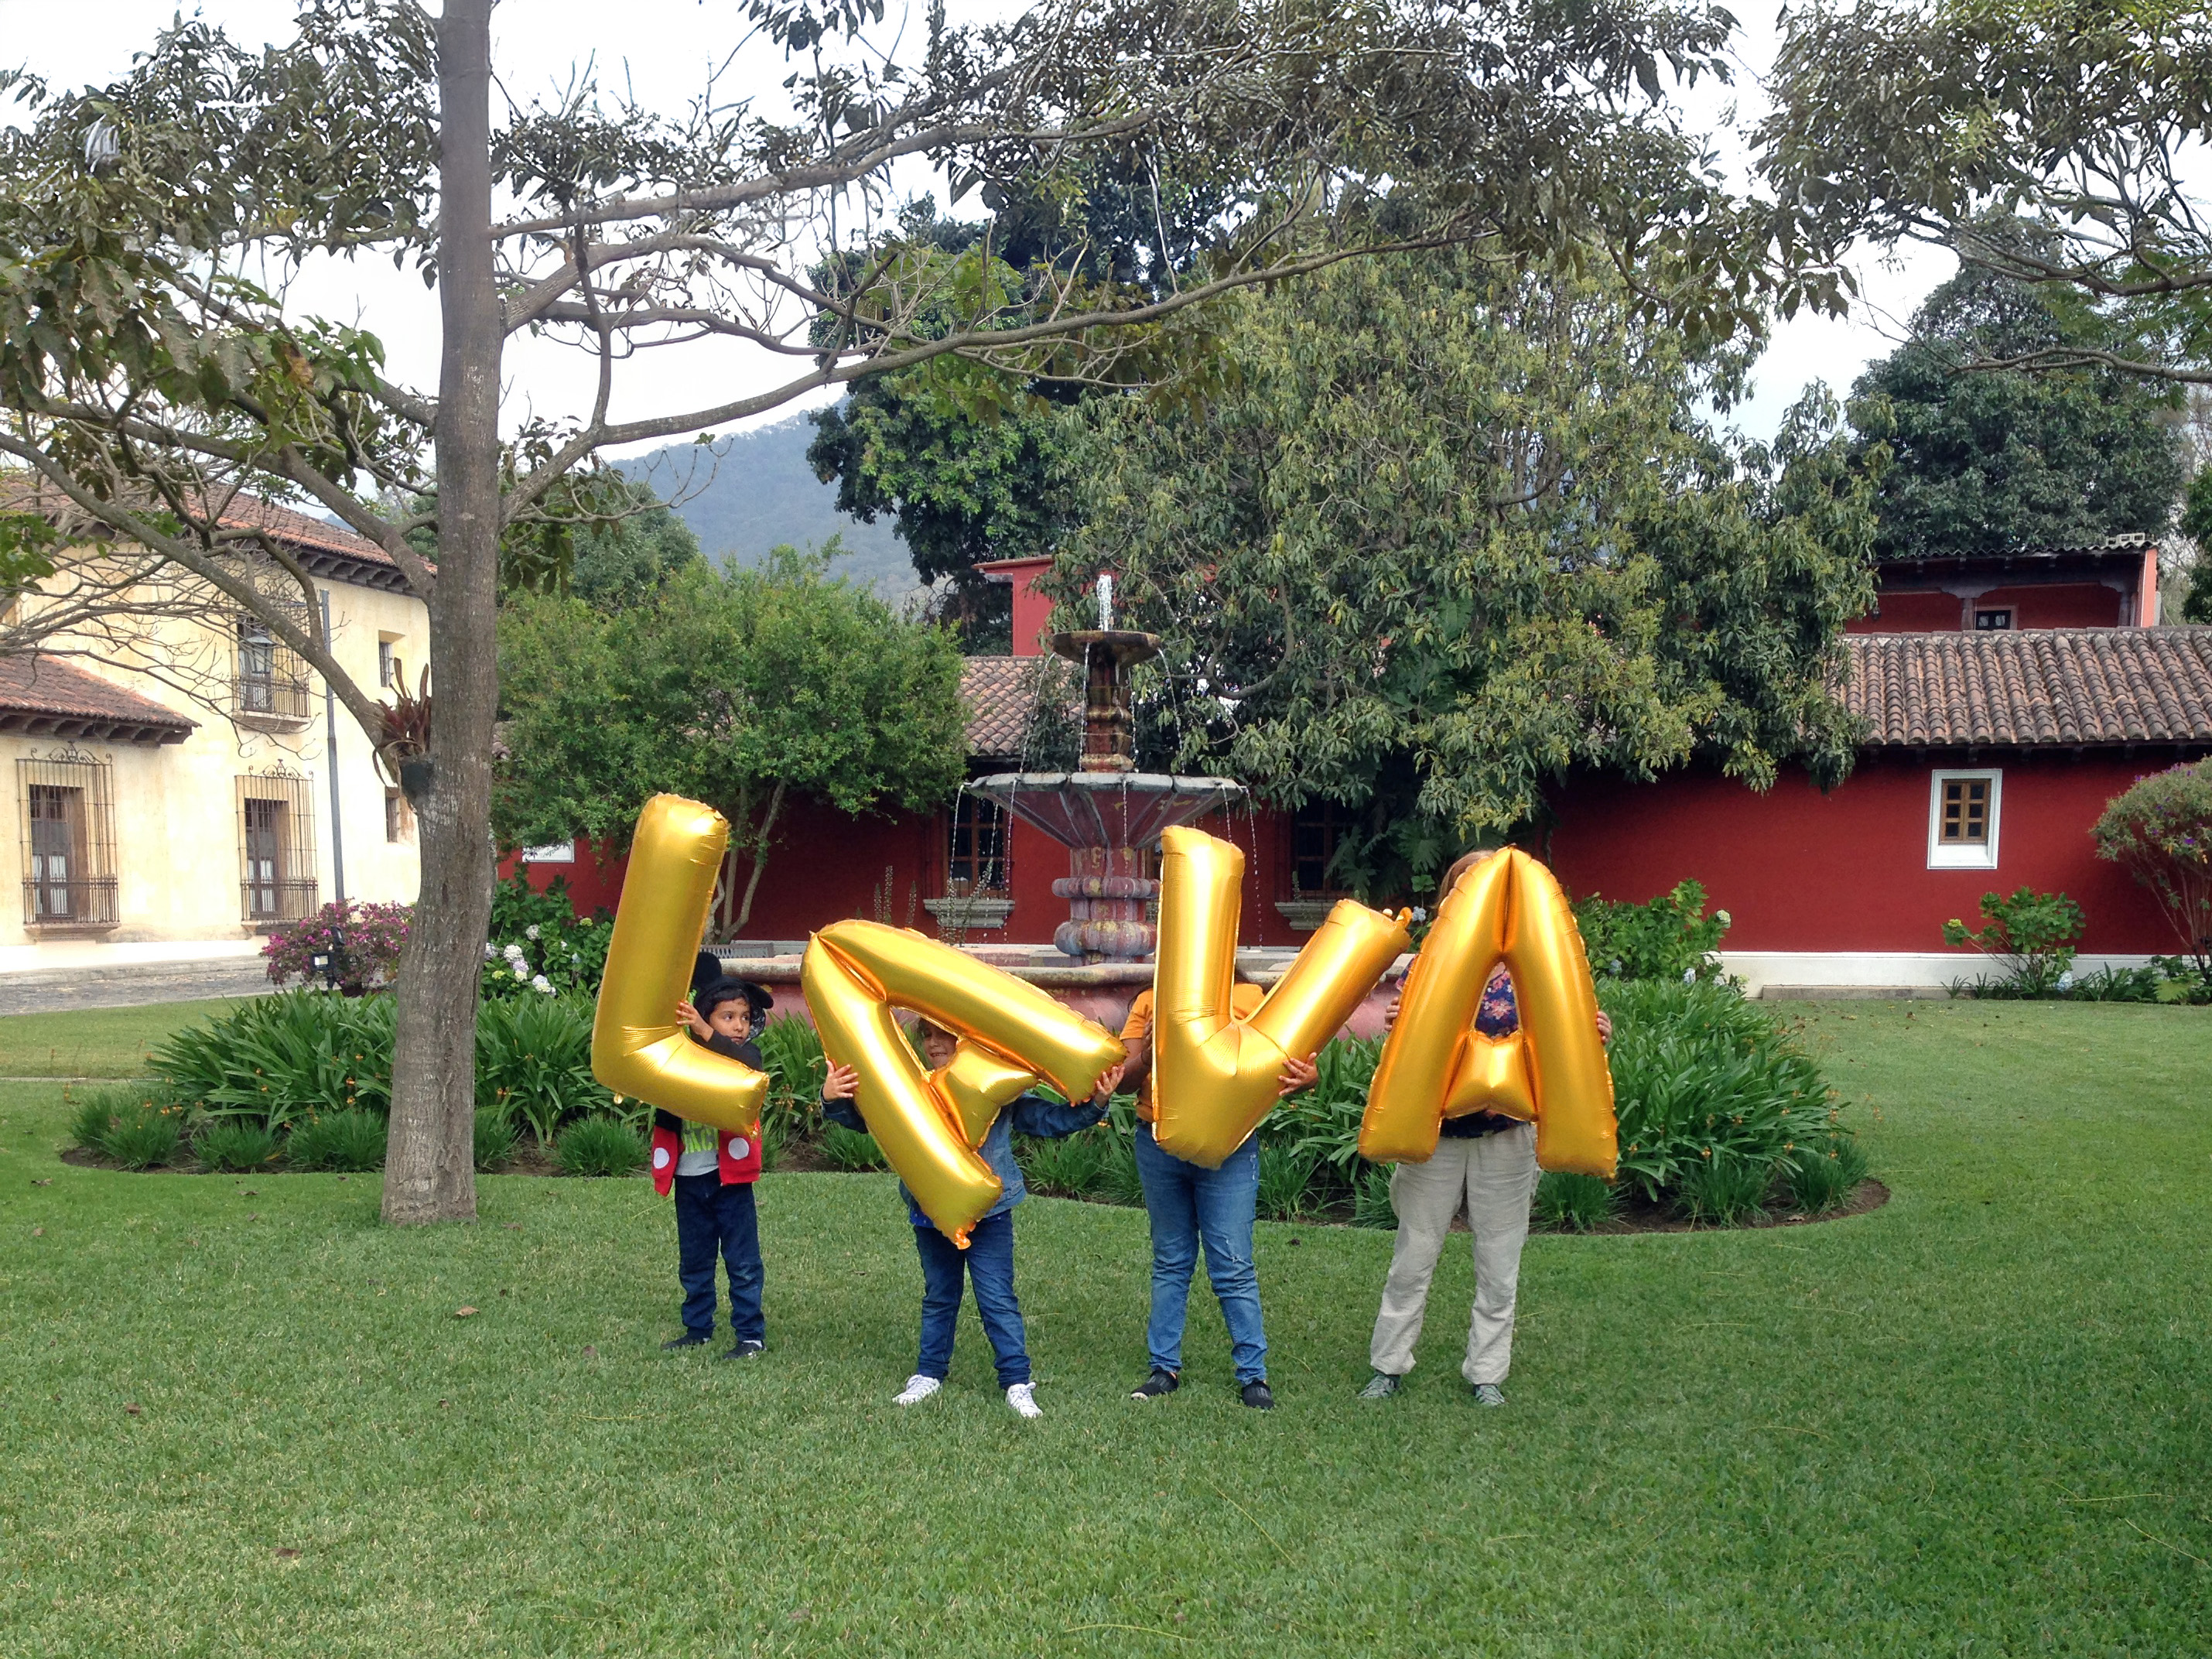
(827, 865)
(1910, 613)
(2057, 605)
(1800, 871)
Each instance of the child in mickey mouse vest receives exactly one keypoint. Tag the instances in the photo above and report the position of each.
(712, 1172)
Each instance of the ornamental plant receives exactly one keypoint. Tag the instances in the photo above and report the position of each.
(362, 942)
(2033, 935)
(539, 946)
(2160, 830)
(1670, 937)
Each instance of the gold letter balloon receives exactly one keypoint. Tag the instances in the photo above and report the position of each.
(1214, 1074)
(1435, 1065)
(638, 1047)
(930, 1124)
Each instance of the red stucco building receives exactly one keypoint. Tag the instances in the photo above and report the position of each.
(2004, 700)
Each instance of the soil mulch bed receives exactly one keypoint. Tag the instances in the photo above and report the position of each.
(1635, 1215)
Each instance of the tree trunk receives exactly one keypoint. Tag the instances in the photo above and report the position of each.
(430, 1166)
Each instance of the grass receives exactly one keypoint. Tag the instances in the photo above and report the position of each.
(1970, 1421)
(97, 1042)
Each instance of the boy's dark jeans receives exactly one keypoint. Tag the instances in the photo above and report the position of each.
(710, 1216)
(990, 1261)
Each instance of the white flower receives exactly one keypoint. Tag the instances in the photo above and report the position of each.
(1420, 913)
(491, 955)
(1689, 976)
(512, 953)
(542, 983)
(531, 931)
(2066, 979)
(1724, 918)
(521, 969)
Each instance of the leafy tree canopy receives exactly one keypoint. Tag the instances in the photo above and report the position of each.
(736, 688)
(620, 560)
(1991, 458)
(1448, 530)
(1949, 122)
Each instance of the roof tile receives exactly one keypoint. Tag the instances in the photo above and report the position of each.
(2053, 686)
(41, 690)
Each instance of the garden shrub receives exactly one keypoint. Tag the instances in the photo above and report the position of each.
(347, 1142)
(1371, 1198)
(600, 1146)
(1573, 1203)
(1822, 1176)
(234, 1147)
(792, 1053)
(539, 946)
(362, 941)
(495, 1138)
(276, 1057)
(2160, 830)
(2033, 935)
(1724, 1186)
(534, 1063)
(1669, 937)
(1068, 1166)
(139, 1129)
(1285, 1173)
(1700, 1074)
(851, 1149)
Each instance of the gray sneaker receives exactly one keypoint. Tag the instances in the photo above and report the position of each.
(1381, 1386)
(1489, 1393)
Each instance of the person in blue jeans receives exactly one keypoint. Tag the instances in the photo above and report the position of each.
(988, 1261)
(1189, 1206)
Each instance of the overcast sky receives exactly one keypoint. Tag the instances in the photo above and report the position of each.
(666, 49)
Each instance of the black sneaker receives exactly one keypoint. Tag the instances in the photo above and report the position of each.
(1381, 1386)
(745, 1349)
(1259, 1396)
(1159, 1383)
(689, 1340)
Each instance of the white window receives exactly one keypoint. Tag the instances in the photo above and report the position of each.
(1962, 820)
(560, 852)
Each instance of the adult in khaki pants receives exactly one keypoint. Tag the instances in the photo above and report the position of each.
(1489, 1160)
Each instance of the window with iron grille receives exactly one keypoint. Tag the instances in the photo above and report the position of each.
(1317, 830)
(390, 671)
(69, 842)
(975, 847)
(273, 681)
(275, 846)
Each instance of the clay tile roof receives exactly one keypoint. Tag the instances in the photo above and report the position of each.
(43, 696)
(296, 529)
(1000, 692)
(2057, 686)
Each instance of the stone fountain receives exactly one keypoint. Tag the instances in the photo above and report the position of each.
(1109, 815)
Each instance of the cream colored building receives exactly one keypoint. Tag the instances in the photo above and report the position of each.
(175, 790)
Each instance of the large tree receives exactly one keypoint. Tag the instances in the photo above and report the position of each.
(1449, 529)
(154, 361)
(1949, 122)
(740, 688)
(1996, 458)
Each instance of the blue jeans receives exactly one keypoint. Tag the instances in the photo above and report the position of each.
(1189, 1203)
(990, 1261)
(711, 1217)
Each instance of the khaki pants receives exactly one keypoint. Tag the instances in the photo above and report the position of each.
(1497, 1176)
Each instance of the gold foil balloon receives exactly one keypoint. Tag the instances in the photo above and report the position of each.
(1214, 1074)
(638, 1048)
(929, 1124)
(1435, 1065)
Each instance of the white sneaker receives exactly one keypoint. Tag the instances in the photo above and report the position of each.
(1023, 1398)
(918, 1388)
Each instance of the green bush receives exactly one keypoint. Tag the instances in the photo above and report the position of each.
(346, 1141)
(1669, 937)
(1711, 1091)
(278, 1057)
(791, 1052)
(235, 1147)
(2033, 935)
(851, 1149)
(534, 1063)
(139, 1129)
(600, 1146)
(1821, 1177)
(1725, 1187)
(1575, 1203)
(1069, 1166)
(1285, 1176)
(539, 946)
(1371, 1198)
(495, 1138)
(2160, 830)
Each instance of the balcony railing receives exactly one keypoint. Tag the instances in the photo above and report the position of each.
(274, 697)
(89, 902)
(276, 900)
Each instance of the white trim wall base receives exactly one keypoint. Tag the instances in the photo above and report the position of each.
(1871, 972)
(105, 953)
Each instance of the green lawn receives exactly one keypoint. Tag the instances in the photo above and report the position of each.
(1972, 1422)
